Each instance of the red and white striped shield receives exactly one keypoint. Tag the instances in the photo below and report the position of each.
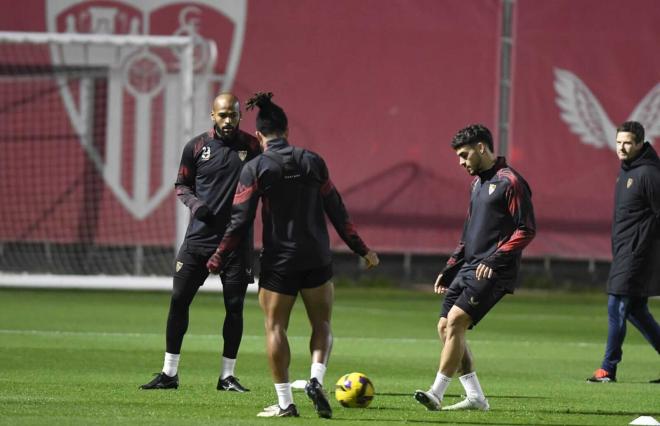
(137, 100)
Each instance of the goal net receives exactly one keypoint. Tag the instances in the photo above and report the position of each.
(91, 130)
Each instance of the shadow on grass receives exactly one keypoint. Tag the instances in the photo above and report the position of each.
(448, 421)
(489, 396)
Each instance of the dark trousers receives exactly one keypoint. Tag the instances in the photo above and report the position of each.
(190, 275)
(635, 310)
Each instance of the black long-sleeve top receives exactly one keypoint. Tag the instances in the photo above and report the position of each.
(297, 194)
(208, 175)
(635, 269)
(499, 224)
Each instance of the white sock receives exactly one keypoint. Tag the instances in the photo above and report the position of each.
(171, 364)
(318, 371)
(228, 365)
(440, 385)
(471, 385)
(284, 395)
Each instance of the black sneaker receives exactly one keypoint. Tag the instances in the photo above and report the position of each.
(231, 384)
(654, 381)
(276, 411)
(314, 391)
(162, 381)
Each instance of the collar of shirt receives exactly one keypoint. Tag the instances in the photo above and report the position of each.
(500, 163)
(646, 156)
(277, 143)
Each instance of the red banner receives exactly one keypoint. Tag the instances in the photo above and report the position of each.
(579, 70)
(377, 88)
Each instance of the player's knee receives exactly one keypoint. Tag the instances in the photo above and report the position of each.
(457, 322)
(179, 300)
(442, 328)
(183, 292)
(274, 325)
(234, 305)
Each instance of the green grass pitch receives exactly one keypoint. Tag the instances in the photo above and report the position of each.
(75, 357)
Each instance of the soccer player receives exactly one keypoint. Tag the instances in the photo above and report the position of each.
(635, 271)
(296, 194)
(211, 164)
(484, 266)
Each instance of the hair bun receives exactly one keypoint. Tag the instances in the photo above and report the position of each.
(259, 99)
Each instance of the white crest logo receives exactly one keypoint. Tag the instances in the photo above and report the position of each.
(491, 188)
(585, 116)
(140, 102)
(206, 153)
(242, 155)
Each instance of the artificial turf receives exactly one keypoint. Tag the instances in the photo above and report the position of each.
(78, 357)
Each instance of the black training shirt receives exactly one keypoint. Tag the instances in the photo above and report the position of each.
(296, 194)
(499, 224)
(208, 174)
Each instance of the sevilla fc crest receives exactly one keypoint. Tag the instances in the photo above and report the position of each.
(136, 100)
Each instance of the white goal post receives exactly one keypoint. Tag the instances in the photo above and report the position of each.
(91, 131)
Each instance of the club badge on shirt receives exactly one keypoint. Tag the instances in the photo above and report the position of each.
(491, 188)
(242, 155)
(629, 182)
(179, 265)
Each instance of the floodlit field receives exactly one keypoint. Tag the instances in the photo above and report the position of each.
(78, 358)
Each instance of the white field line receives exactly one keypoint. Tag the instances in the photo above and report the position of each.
(95, 334)
(104, 282)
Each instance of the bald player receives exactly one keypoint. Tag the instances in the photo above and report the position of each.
(211, 164)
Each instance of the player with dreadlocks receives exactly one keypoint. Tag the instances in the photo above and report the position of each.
(296, 194)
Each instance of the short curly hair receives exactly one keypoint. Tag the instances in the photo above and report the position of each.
(471, 135)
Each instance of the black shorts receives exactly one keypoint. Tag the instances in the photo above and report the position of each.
(476, 297)
(190, 266)
(291, 282)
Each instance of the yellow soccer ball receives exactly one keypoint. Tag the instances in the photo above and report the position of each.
(354, 390)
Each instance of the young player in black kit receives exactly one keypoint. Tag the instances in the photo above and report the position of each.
(211, 164)
(296, 194)
(484, 267)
